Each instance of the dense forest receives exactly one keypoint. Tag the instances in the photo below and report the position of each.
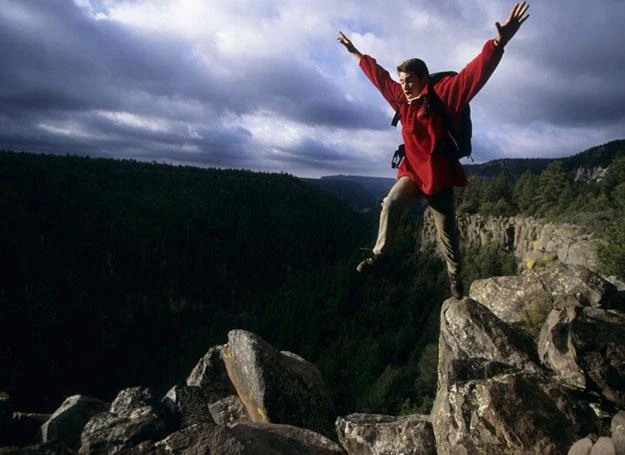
(120, 273)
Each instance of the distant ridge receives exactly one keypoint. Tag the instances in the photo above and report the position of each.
(363, 194)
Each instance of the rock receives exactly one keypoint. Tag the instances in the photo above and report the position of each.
(242, 439)
(67, 422)
(211, 377)
(534, 241)
(618, 426)
(525, 300)
(188, 405)
(375, 434)
(475, 344)
(228, 410)
(275, 387)
(579, 281)
(585, 347)
(581, 447)
(522, 301)
(135, 416)
(519, 413)
(603, 446)
(556, 349)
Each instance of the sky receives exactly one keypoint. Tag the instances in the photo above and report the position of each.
(264, 85)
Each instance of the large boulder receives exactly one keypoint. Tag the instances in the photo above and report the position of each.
(135, 416)
(475, 344)
(67, 422)
(241, 439)
(585, 346)
(526, 300)
(211, 377)
(492, 397)
(375, 434)
(518, 413)
(188, 405)
(277, 387)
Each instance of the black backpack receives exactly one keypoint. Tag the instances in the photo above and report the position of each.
(456, 145)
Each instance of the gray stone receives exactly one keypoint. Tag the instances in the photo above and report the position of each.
(135, 416)
(589, 287)
(520, 413)
(68, 421)
(581, 447)
(521, 300)
(375, 434)
(211, 377)
(556, 349)
(585, 347)
(188, 405)
(228, 410)
(618, 425)
(603, 446)
(475, 344)
(241, 439)
(272, 389)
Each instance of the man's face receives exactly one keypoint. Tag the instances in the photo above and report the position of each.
(411, 84)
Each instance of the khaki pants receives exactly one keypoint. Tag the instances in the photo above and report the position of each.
(443, 207)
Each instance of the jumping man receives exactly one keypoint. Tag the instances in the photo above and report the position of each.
(426, 171)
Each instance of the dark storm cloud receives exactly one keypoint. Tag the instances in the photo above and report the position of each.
(59, 65)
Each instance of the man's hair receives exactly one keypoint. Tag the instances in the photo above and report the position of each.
(415, 66)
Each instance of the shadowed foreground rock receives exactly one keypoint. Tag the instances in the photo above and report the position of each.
(277, 387)
(241, 439)
(492, 398)
(375, 434)
(502, 388)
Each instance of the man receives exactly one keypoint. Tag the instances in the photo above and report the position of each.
(426, 170)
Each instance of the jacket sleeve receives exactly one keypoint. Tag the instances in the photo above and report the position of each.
(457, 91)
(381, 79)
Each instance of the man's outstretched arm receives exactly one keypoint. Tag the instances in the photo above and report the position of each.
(517, 16)
(345, 41)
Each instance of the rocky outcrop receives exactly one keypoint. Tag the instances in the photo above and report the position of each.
(492, 397)
(374, 434)
(68, 421)
(529, 364)
(277, 387)
(533, 241)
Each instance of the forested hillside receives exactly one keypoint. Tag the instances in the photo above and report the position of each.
(117, 273)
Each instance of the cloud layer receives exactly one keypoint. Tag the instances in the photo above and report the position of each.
(264, 85)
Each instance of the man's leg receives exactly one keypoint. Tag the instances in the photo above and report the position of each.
(443, 206)
(399, 198)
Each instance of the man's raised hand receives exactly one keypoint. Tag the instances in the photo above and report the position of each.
(517, 16)
(345, 41)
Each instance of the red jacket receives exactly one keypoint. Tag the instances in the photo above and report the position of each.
(433, 173)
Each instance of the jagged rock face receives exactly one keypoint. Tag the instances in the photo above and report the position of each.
(375, 434)
(211, 377)
(492, 397)
(277, 387)
(525, 300)
(68, 421)
(533, 241)
(585, 347)
(475, 344)
(135, 416)
(188, 404)
(519, 413)
(241, 439)
(228, 410)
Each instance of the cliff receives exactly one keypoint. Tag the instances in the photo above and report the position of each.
(528, 364)
(533, 241)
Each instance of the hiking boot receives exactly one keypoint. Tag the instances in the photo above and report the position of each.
(455, 286)
(368, 264)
